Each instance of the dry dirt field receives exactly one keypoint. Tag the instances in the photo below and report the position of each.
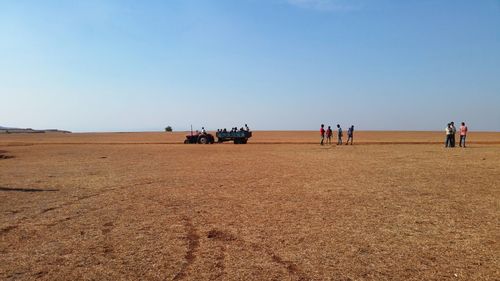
(143, 206)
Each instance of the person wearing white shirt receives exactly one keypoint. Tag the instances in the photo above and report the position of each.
(449, 135)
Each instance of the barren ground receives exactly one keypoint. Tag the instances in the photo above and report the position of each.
(396, 206)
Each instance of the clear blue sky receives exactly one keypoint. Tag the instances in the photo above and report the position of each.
(103, 65)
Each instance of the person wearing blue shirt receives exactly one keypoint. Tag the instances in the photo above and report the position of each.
(350, 134)
(339, 136)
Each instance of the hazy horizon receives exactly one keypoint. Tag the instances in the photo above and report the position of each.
(123, 65)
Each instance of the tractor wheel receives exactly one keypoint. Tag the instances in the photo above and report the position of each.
(244, 141)
(237, 141)
(186, 141)
(203, 140)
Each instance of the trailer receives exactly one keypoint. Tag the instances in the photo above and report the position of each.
(238, 137)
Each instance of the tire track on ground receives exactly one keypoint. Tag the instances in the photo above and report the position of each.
(226, 237)
(193, 240)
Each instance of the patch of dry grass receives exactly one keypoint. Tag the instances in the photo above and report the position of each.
(259, 137)
(248, 212)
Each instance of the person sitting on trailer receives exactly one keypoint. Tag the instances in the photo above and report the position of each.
(246, 128)
(225, 130)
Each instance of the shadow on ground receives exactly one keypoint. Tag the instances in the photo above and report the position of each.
(7, 189)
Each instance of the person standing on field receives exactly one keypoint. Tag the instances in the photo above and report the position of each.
(322, 133)
(463, 134)
(448, 131)
(350, 134)
(453, 133)
(339, 136)
(329, 134)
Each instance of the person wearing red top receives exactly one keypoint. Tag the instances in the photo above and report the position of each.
(329, 134)
(322, 133)
(463, 134)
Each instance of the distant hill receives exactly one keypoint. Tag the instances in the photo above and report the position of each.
(9, 130)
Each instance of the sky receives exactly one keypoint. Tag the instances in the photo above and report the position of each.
(132, 65)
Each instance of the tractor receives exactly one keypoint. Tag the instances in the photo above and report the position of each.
(238, 137)
(200, 138)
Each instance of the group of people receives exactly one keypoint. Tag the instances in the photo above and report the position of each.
(234, 129)
(451, 131)
(328, 134)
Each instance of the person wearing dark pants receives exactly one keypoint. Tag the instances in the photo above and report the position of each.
(350, 134)
(339, 136)
(448, 136)
(453, 134)
(463, 134)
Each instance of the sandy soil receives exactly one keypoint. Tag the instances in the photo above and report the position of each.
(260, 137)
(127, 207)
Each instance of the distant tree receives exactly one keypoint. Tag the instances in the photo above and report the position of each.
(168, 129)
